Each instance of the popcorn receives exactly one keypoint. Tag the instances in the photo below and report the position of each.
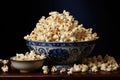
(94, 68)
(103, 67)
(76, 68)
(5, 62)
(99, 64)
(93, 64)
(29, 56)
(19, 56)
(70, 71)
(53, 69)
(115, 66)
(84, 68)
(60, 27)
(108, 63)
(4, 68)
(62, 70)
(45, 69)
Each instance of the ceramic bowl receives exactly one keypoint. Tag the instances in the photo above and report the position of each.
(62, 53)
(26, 66)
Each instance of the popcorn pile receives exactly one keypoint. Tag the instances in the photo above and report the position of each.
(29, 56)
(93, 64)
(106, 63)
(60, 27)
(4, 68)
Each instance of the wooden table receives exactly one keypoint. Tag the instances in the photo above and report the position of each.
(14, 74)
(38, 75)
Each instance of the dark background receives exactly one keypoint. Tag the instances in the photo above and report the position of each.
(19, 18)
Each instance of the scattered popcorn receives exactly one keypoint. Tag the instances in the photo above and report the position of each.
(109, 68)
(84, 67)
(29, 56)
(106, 63)
(76, 68)
(5, 62)
(53, 69)
(62, 70)
(60, 27)
(99, 64)
(103, 67)
(45, 69)
(4, 68)
(70, 71)
(93, 64)
(94, 68)
(115, 66)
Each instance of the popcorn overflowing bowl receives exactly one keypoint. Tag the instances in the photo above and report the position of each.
(27, 63)
(26, 66)
(61, 38)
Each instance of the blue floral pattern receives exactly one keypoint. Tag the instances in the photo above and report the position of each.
(58, 54)
(62, 52)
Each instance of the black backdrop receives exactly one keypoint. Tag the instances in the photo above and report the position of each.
(19, 18)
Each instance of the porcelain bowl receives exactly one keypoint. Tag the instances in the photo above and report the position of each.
(26, 66)
(62, 53)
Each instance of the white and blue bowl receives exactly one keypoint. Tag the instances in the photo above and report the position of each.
(26, 66)
(62, 53)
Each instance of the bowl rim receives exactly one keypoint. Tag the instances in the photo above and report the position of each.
(65, 42)
(11, 59)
